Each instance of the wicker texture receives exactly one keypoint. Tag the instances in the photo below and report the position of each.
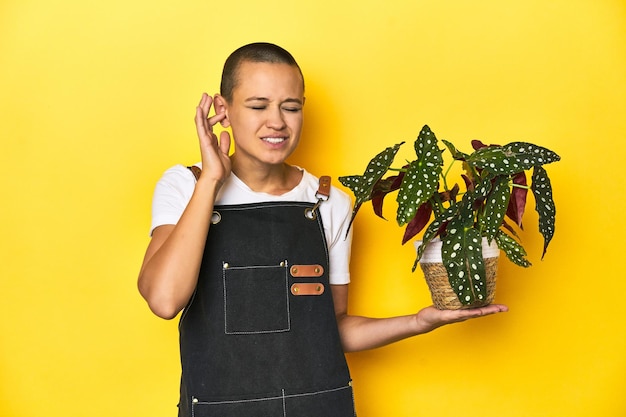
(444, 298)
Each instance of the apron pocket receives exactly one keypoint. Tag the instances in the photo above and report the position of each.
(330, 403)
(256, 299)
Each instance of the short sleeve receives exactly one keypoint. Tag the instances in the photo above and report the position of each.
(339, 239)
(171, 196)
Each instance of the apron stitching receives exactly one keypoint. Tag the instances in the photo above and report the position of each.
(253, 206)
(326, 391)
(283, 396)
(241, 401)
(284, 405)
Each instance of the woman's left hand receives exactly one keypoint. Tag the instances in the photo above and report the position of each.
(430, 318)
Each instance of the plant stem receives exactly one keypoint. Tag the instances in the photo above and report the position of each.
(444, 177)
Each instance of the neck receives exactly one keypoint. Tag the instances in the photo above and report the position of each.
(273, 179)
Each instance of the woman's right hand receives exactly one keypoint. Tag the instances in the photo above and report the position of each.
(216, 164)
(170, 268)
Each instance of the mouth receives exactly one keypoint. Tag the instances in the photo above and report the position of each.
(274, 140)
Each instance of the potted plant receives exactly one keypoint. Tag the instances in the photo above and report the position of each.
(464, 222)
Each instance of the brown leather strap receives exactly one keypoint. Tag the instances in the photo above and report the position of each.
(306, 271)
(307, 288)
(324, 187)
(195, 171)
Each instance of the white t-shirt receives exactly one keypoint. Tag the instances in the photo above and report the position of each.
(173, 192)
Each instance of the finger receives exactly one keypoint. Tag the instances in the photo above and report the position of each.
(494, 308)
(207, 110)
(212, 121)
(225, 142)
(205, 106)
(205, 103)
(501, 308)
(201, 124)
(485, 311)
(205, 99)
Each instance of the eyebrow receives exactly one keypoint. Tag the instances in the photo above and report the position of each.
(288, 100)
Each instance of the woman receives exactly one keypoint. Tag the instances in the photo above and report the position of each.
(253, 250)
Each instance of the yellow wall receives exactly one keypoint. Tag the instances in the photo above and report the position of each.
(97, 99)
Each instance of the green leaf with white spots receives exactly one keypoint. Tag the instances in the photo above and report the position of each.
(362, 186)
(421, 178)
(462, 210)
(495, 207)
(544, 204)
(482, 189)
(512, 249)
(432, 231)
(456, 154)
(462, 255)
(466, 214)
(511, 158)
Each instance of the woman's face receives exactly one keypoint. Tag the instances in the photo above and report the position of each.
(266, 112)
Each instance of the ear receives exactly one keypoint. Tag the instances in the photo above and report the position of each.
(221, 106)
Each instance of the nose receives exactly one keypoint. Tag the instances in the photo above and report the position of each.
(275, 119)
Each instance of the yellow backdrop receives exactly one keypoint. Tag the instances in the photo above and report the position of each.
(97, 100)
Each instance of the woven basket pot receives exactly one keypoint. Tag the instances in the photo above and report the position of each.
(444, 298)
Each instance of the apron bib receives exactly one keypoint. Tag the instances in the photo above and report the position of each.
(259, 336)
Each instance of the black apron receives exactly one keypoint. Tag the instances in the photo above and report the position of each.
(259, 336)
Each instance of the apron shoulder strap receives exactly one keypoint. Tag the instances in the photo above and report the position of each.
(324, 187)
(195, 171)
